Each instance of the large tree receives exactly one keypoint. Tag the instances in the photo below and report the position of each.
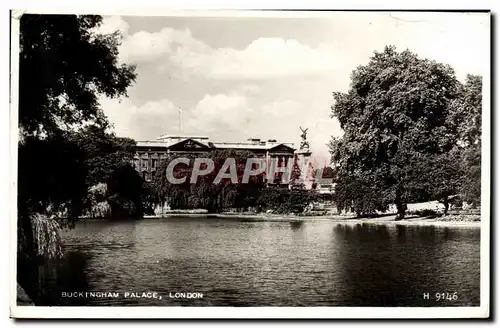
(51, 173)
(107, 160)
(104, 152)
(394, 117)
(65, 65)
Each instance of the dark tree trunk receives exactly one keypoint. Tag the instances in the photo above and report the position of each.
(400, 206)
(401, 211)
(446, 204)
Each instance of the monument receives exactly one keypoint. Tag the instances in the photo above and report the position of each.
(304, 160)
(304, 144)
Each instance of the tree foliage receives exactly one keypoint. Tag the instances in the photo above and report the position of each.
(204, 193)
(51, 172)
(64, 65)
(296, 175)
(216, 197)
(466, 112)
(124, 192)
(281, 200)
(467, 116)
(104, 152)
(394, 117)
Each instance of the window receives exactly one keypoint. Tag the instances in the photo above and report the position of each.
(153, 163)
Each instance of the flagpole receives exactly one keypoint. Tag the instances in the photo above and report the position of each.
(180, 119)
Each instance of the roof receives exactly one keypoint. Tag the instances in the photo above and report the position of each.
(178, 137)
(254, 144)
(151, 143)
(239, 145)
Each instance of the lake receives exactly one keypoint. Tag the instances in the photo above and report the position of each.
(236, 263)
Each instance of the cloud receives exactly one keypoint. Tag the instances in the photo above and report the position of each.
(264, 58)
(167, 44)
(214, 115)
(144, 122)
(111, 24)
(269, 87)
(457, 39)
(219, 114)
(223, 117)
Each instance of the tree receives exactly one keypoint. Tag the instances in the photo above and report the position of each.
(358, 192)
(97, 205)
(466, 115)
(64, 66)
(104, 152)
(458, 170)
(149, 198)
(284, 200)
(466, 112)
(204, 193)
(124, 189)
(296, 175)
(51, 172)
(51, 180)
(106, 160)
(442, 177)
(394, 116)
(470, 182)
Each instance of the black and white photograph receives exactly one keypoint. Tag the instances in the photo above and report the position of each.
(201, 164)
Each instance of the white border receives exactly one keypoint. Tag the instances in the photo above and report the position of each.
(243, 312)
(486, 184)
(248, 312)
(13, 119)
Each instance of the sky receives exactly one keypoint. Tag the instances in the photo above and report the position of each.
(235, 78)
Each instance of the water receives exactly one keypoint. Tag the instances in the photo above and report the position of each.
(237, 263)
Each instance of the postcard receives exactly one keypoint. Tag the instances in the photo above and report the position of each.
(250, 164)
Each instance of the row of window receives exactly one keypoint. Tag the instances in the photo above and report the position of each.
(147, 175)
(154, 162)
(144, 164)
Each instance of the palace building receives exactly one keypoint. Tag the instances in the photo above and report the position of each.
(150, 153)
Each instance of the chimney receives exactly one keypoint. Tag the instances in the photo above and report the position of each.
(254, 140)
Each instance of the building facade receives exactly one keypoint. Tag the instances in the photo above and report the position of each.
(149, 154)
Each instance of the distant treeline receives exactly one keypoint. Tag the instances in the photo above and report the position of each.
(216, 197)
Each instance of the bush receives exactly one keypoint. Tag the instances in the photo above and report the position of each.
(284, 201)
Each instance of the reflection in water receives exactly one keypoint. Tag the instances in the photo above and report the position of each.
(395, 268)
(296, 225)
(64, 276)
(235, 263)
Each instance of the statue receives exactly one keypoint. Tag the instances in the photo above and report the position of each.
(304, 144)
